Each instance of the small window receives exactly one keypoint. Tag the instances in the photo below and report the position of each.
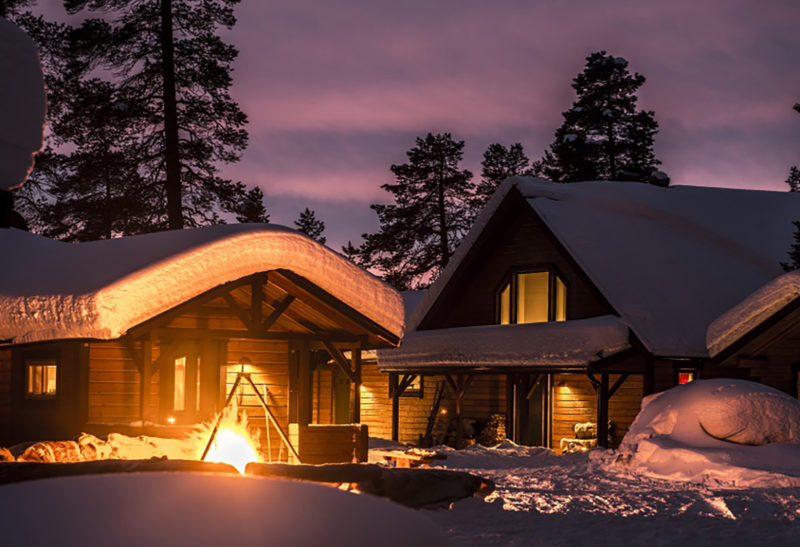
(415, 388)
(686, 375)
(532, 297)
(41, 377)
(179, 401)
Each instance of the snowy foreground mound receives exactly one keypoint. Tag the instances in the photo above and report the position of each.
(724, 432)
(202, 509)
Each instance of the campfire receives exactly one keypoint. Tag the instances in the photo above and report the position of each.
(231, 442)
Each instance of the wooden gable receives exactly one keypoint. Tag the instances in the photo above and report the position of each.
(515, 238)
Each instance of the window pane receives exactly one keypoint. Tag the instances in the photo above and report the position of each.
(180, 384)
(561, 300)
(532, 292)
(197, 386)
(686, 376)
(50, 383)
(505, 305)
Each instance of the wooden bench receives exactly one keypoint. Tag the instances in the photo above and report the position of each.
(409, 459)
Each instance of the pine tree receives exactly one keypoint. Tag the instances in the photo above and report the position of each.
(794, 185)
(10, 8)
(498, 164)
(167, 57)
(308, 224)
(251, 208)
(793, 180)
(421, 229)
(603, 136)
(351, 252)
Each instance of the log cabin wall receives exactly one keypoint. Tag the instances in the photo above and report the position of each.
(5, 393)
(515, 238)
(574, 401)
(114, 384)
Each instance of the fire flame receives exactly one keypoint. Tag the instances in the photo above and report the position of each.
(233, 443)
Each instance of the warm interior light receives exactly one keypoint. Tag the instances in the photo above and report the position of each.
(444, 411)
(232, 447)
(171, 420)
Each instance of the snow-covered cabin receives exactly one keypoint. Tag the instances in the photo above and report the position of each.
(147, 334)
(566, 303)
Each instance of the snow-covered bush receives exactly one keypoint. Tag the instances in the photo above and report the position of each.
(723, 431)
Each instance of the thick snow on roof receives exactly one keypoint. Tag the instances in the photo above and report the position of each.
(752, 311)
(22, 105)
(568, 343)
(669, 260)
(723, 432)
(100, 289)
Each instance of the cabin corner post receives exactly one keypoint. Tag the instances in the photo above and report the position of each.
(304, 392)
(395, 395)
(145, 377)
(602, 411)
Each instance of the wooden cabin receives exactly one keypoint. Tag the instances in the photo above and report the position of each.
(148, 334)
(567, 303)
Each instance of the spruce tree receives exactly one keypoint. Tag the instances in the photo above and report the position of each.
(251, 208)
(167, 57)
(309, 224)
(793, 180)
(794, 185)
(498, 164)
(604, 136)
(10, 8)
(421, 229)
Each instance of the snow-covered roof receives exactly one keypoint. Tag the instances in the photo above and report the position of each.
(100, 289)
(752, 311)
(556, 344)
(22, 105)
(669, 260)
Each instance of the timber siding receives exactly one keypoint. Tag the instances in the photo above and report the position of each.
(114, 384)
(515, 238)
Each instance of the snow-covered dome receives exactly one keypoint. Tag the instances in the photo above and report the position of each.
(728, 431)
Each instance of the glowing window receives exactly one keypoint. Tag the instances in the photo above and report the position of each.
(179, 402)
(686, 375)
(41, 377)
(532, 297)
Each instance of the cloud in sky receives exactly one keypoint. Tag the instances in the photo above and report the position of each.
(337, 91)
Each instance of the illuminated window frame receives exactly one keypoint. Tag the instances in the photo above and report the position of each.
(507, 295)
(416, 389)
(41, 378)
(685, 375)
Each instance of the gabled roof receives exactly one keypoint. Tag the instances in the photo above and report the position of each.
(751, 312)
(555, 344)
(669, 260)
(100, 289)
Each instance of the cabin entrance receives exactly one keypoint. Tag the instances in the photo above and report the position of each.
(529, 408)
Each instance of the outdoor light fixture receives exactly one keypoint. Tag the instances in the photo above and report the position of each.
(243, 363)
(171, 420)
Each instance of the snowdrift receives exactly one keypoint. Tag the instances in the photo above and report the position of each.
(722, 432)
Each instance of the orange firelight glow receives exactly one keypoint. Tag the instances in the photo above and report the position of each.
(232, 447)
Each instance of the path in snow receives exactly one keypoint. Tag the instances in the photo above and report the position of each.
(542, 499)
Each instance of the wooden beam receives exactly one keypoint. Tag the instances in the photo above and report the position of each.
(256, 297)
(340, 360)
(615, 387)
(168, 332)
(146, 375)
(394, 393)
(238, 311)
(532, 382)
(355, 357)
(280, 308)
(304, 393)
(602, 411)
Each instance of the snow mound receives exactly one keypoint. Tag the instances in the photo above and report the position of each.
(752, 311)
(202, 509)
(22, 105)
(727, 432)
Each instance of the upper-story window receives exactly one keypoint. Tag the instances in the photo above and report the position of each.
(533, 297)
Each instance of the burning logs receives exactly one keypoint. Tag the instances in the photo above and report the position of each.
(415, 488)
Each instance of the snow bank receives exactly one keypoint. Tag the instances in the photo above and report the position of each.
(669, 260)
(752, 311)
(564, 343)
(722, 432)
(100, 289)
(22, 105)
(202, 509)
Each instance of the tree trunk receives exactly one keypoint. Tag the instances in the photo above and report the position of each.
(172, 159)
(442, 219)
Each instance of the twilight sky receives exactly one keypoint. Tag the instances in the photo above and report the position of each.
(336, 91)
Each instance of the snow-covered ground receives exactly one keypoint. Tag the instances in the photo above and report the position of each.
(544, 499)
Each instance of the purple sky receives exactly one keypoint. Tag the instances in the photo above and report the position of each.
(337, 91)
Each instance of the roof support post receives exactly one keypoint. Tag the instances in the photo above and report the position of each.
(145, 375)
(304, 394)
(355, 357)
(459, 385)
(602, 411)
(394, 392)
